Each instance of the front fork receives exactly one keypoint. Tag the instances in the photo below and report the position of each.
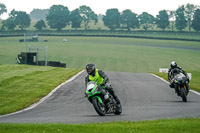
(178, 88)
(99, 99)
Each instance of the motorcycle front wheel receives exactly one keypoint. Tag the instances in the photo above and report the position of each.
(183, 94)
(99, 107)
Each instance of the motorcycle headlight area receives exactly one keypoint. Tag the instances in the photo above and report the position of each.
(90, 87)
(90, 90)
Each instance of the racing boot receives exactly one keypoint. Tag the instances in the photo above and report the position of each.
(116, 99)
(176, 91)
(110, 90)
(171, 85)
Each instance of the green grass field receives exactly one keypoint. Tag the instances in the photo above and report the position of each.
(113, 54)
(156, 126)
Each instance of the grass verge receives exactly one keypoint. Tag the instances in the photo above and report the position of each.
(23, 85)
(155, 126)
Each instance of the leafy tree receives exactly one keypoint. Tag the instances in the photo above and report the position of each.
(39, 14)
(17, 18)
(189, 11)
(40, 24)
(147, 20)
(58, 17)
(87, 16)
(111, 19)
(129, 19)
(9, 24)
(76, 19)
(180, 22)
(22, 19)
(162, 20)
(172, 17)
(196, 20)
(2, 9)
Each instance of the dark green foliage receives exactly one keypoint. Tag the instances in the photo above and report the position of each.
(129, 20)
(76, 19)
(22, 19)
(2, 8)
(39, 14)
(87, 16)
(162, 20)
(111, 19)
(147, 20)
(9, 24)
(40, 24)
(196, 20)
(180, 22)
(17, 18)
(58, 17)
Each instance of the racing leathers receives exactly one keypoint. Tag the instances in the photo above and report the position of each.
(172, 73)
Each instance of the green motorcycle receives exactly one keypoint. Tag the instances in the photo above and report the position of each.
(101, 105)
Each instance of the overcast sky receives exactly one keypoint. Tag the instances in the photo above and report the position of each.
(98, 6)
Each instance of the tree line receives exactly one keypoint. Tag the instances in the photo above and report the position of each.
(59, 16)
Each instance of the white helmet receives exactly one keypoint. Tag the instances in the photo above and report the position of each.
(173, 64)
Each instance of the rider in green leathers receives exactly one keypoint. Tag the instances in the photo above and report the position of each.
(101, 78)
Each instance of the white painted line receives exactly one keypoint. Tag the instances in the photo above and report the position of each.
(168, 83)
(44, 98)
(160, 78)
(195, 92)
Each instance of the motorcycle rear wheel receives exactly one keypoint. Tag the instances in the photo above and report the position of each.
(99, 107)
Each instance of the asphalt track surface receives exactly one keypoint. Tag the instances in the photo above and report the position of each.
(143, 97)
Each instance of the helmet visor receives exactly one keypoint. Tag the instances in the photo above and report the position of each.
(89, 70)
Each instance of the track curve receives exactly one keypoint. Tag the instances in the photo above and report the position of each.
(143, 97)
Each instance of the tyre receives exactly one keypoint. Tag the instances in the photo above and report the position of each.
(99, 107)
(183, 94)
(118, 110)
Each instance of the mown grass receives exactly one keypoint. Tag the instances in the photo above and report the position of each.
(155, 126)
(113, 54)
(22, 85)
